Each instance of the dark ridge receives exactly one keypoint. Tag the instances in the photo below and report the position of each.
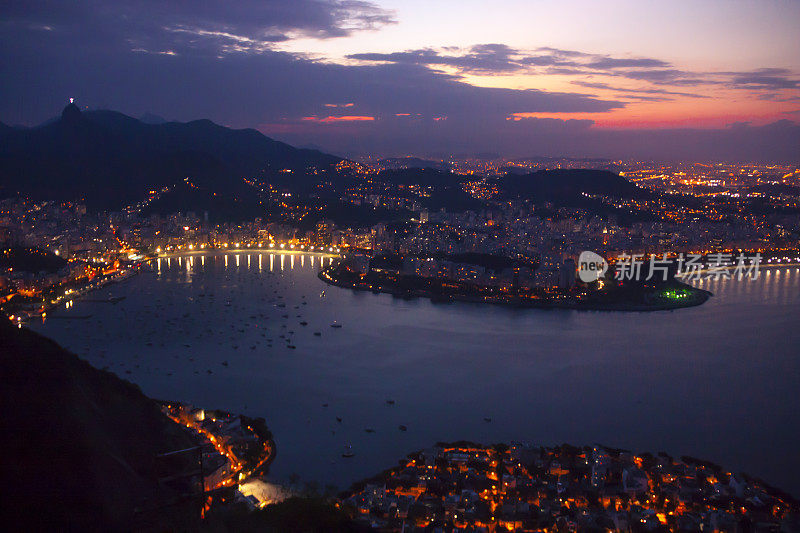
(448, 193)
(30, 260)
(420, 176)
(150, 118)
(413, 162)
(80, 445)
(220, 208)
(569, 185)
(110, 160)
(71, 113)
(5, 128)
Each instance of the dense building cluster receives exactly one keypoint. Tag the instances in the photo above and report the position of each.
(694, 208)
(722, 207)
(519, 487)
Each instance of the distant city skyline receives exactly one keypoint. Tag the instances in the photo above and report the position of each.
(710, 79)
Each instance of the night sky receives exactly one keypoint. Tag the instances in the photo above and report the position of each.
(680, 79)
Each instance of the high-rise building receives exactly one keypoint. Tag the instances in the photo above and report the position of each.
(567, 274)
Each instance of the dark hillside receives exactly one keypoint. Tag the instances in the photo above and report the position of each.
(110, 160)
(567, 185)
(80, 444)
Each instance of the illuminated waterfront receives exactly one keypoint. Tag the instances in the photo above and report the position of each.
(716, 382)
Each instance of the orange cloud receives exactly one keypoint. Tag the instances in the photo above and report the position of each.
(681, 112)
(344, 118)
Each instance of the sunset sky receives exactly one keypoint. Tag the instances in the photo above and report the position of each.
(513, 77)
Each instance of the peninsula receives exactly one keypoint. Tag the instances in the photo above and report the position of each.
(481, 278)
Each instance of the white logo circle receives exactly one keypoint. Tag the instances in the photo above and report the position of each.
(591, 266)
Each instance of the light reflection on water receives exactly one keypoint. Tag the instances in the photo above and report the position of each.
(717, 381)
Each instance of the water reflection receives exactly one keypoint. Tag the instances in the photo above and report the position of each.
(296, 260)
(687, 382)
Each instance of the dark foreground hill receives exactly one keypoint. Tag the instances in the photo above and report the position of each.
(111, 160)
(80, 449)
(80, 445)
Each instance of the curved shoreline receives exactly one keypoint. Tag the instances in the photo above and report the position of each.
(225, 251)
(698, 297)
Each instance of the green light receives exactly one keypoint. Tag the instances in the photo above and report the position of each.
(675, 294)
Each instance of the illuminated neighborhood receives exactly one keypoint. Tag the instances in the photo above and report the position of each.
(519, 487)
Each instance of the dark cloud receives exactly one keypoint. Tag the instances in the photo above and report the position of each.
(696, 81)
(247, 89)
(499, 58)
(567, 71)
(765, 78)
(562, 53)
(554, 137)
(212, 26)
(776, 97)
(773, 142)
(646, 98)
(768, 78)
(614, 62)
(667, 75)
(483, 58)
(624, 90)
(502, 59)
(217, 60)
(547, 61)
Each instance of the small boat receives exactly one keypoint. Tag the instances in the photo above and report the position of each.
(336, 325)
(225, 363)
(303, 323)
(317, 333)
(348, 452)
(487, 419)
(322, 294)
(369, 430)
(401, 427)
(389, 402)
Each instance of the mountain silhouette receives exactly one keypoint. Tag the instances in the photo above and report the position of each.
(86, 442)
(150, 118)
(110, 160)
